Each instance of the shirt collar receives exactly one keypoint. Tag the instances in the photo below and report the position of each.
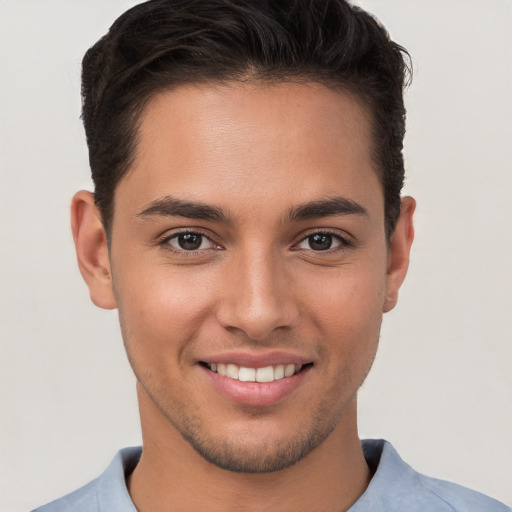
(112, 491)
(391, 474)
(393, 480)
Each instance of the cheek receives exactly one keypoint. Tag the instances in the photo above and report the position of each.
(159, 313)
(351, 297)
(348, 313)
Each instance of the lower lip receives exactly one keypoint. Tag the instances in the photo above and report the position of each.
(256, 393)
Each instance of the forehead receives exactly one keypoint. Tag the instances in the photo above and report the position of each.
(291, 141)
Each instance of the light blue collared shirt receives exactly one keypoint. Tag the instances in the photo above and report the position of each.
(395, 487)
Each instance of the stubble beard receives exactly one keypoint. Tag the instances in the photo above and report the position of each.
(238, 452)
(235, 455)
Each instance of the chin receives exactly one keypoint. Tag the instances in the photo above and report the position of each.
(257, 445)
(246, 456)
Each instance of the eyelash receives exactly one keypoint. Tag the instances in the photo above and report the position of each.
(344, 242)
(164, 241)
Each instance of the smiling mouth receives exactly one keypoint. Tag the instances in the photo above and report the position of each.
(265, 374)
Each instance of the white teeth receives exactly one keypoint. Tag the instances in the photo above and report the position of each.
(247, 374)
(289, 370)
(232, 371)
(279, 372)
(244, 374)
(265, 374)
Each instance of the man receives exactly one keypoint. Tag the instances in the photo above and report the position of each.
(247, 224)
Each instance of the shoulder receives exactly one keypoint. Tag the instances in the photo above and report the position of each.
(83, 499)
(397, 487)
(459, 498)
(106, 493)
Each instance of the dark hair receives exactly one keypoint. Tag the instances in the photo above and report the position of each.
(161, 44)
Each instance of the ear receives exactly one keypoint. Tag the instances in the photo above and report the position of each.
(92, 249)
(398, 252)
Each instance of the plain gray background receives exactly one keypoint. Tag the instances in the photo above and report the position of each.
(441, 387)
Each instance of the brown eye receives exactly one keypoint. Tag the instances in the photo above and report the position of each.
(190, 241)
(322, 242)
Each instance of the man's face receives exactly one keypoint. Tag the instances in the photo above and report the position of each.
(249, 234)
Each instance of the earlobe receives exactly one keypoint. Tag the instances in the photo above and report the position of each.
(398, 252)
(92, 249)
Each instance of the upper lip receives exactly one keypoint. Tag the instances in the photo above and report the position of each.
(256, 360)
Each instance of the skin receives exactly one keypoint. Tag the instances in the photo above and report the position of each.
(256, 284)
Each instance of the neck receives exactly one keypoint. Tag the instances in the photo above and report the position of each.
(171, 476)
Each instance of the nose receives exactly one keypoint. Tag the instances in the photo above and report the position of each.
(257, 297)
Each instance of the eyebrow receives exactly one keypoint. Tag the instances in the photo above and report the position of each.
(169, 206)
(172, 207)
(325, 208)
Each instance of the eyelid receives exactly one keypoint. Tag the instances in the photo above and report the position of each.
(344, 238)
(163, 240)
